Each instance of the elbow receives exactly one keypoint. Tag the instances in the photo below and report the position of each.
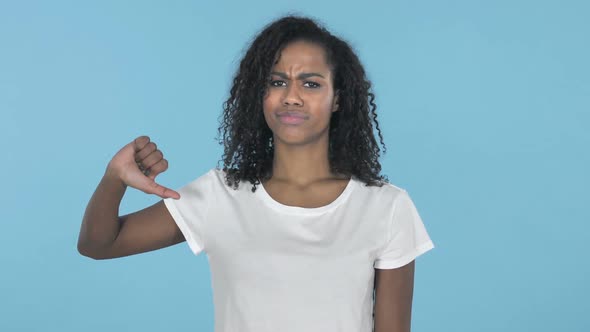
(85, 251)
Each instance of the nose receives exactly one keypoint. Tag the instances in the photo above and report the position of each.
(292, 97)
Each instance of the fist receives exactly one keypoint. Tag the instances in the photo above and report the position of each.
(137, 164)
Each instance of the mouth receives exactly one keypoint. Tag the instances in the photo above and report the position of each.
(290, 117)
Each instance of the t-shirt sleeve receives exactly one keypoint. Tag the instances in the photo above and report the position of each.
(190, 211)
(408, 238)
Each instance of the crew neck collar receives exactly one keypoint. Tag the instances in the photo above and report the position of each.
(267, 199)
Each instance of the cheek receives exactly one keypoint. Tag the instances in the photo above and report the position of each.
(269, 102)
(325, 104)
(328, 104)
(268, 106)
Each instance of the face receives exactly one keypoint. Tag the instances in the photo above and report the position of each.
(300, 96)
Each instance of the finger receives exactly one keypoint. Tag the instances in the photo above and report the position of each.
(158, 168)
(140, 142)
(152, 159)
(145, 152)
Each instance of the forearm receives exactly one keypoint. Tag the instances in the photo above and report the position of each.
(100, 225)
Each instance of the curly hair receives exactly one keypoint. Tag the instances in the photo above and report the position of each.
(246, 137)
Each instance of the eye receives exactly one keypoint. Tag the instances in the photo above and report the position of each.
(276, 83)
(312, 85)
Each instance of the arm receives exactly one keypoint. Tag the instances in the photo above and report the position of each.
(100, 225)
(394, 289)
(105, 235)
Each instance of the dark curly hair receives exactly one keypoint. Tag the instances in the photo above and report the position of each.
(247, 139)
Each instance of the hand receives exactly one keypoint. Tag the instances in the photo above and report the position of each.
(137, 164)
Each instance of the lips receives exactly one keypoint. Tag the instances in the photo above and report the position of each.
(292, 114)
(291, 118)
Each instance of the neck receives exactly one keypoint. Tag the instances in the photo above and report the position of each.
(301, 164)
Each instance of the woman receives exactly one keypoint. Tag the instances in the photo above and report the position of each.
(301, 231)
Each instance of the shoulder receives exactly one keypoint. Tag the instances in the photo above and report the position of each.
(387, 191)
(219, 180)
(212, 175)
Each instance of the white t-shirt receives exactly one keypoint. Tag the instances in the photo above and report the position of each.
(284, 268)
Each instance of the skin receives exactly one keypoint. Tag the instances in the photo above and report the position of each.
(394, 289)
(301, 81)
(301, 175)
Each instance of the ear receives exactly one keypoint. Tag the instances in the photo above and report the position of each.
(335, 101)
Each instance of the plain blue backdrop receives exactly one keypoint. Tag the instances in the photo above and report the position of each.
(484, 107)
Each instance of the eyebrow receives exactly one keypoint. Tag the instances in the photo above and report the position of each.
(301, 76)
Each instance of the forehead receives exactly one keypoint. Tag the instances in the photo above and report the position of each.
(302, 55)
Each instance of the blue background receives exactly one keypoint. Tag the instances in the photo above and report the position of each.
(485, 111)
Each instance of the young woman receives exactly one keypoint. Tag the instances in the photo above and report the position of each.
(301, 231)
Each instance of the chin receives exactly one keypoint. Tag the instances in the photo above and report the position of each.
(295, 139)
(292, 140)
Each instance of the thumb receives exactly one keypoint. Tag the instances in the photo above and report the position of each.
(151, 187)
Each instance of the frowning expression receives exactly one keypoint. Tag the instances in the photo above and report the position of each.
(300, 96)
